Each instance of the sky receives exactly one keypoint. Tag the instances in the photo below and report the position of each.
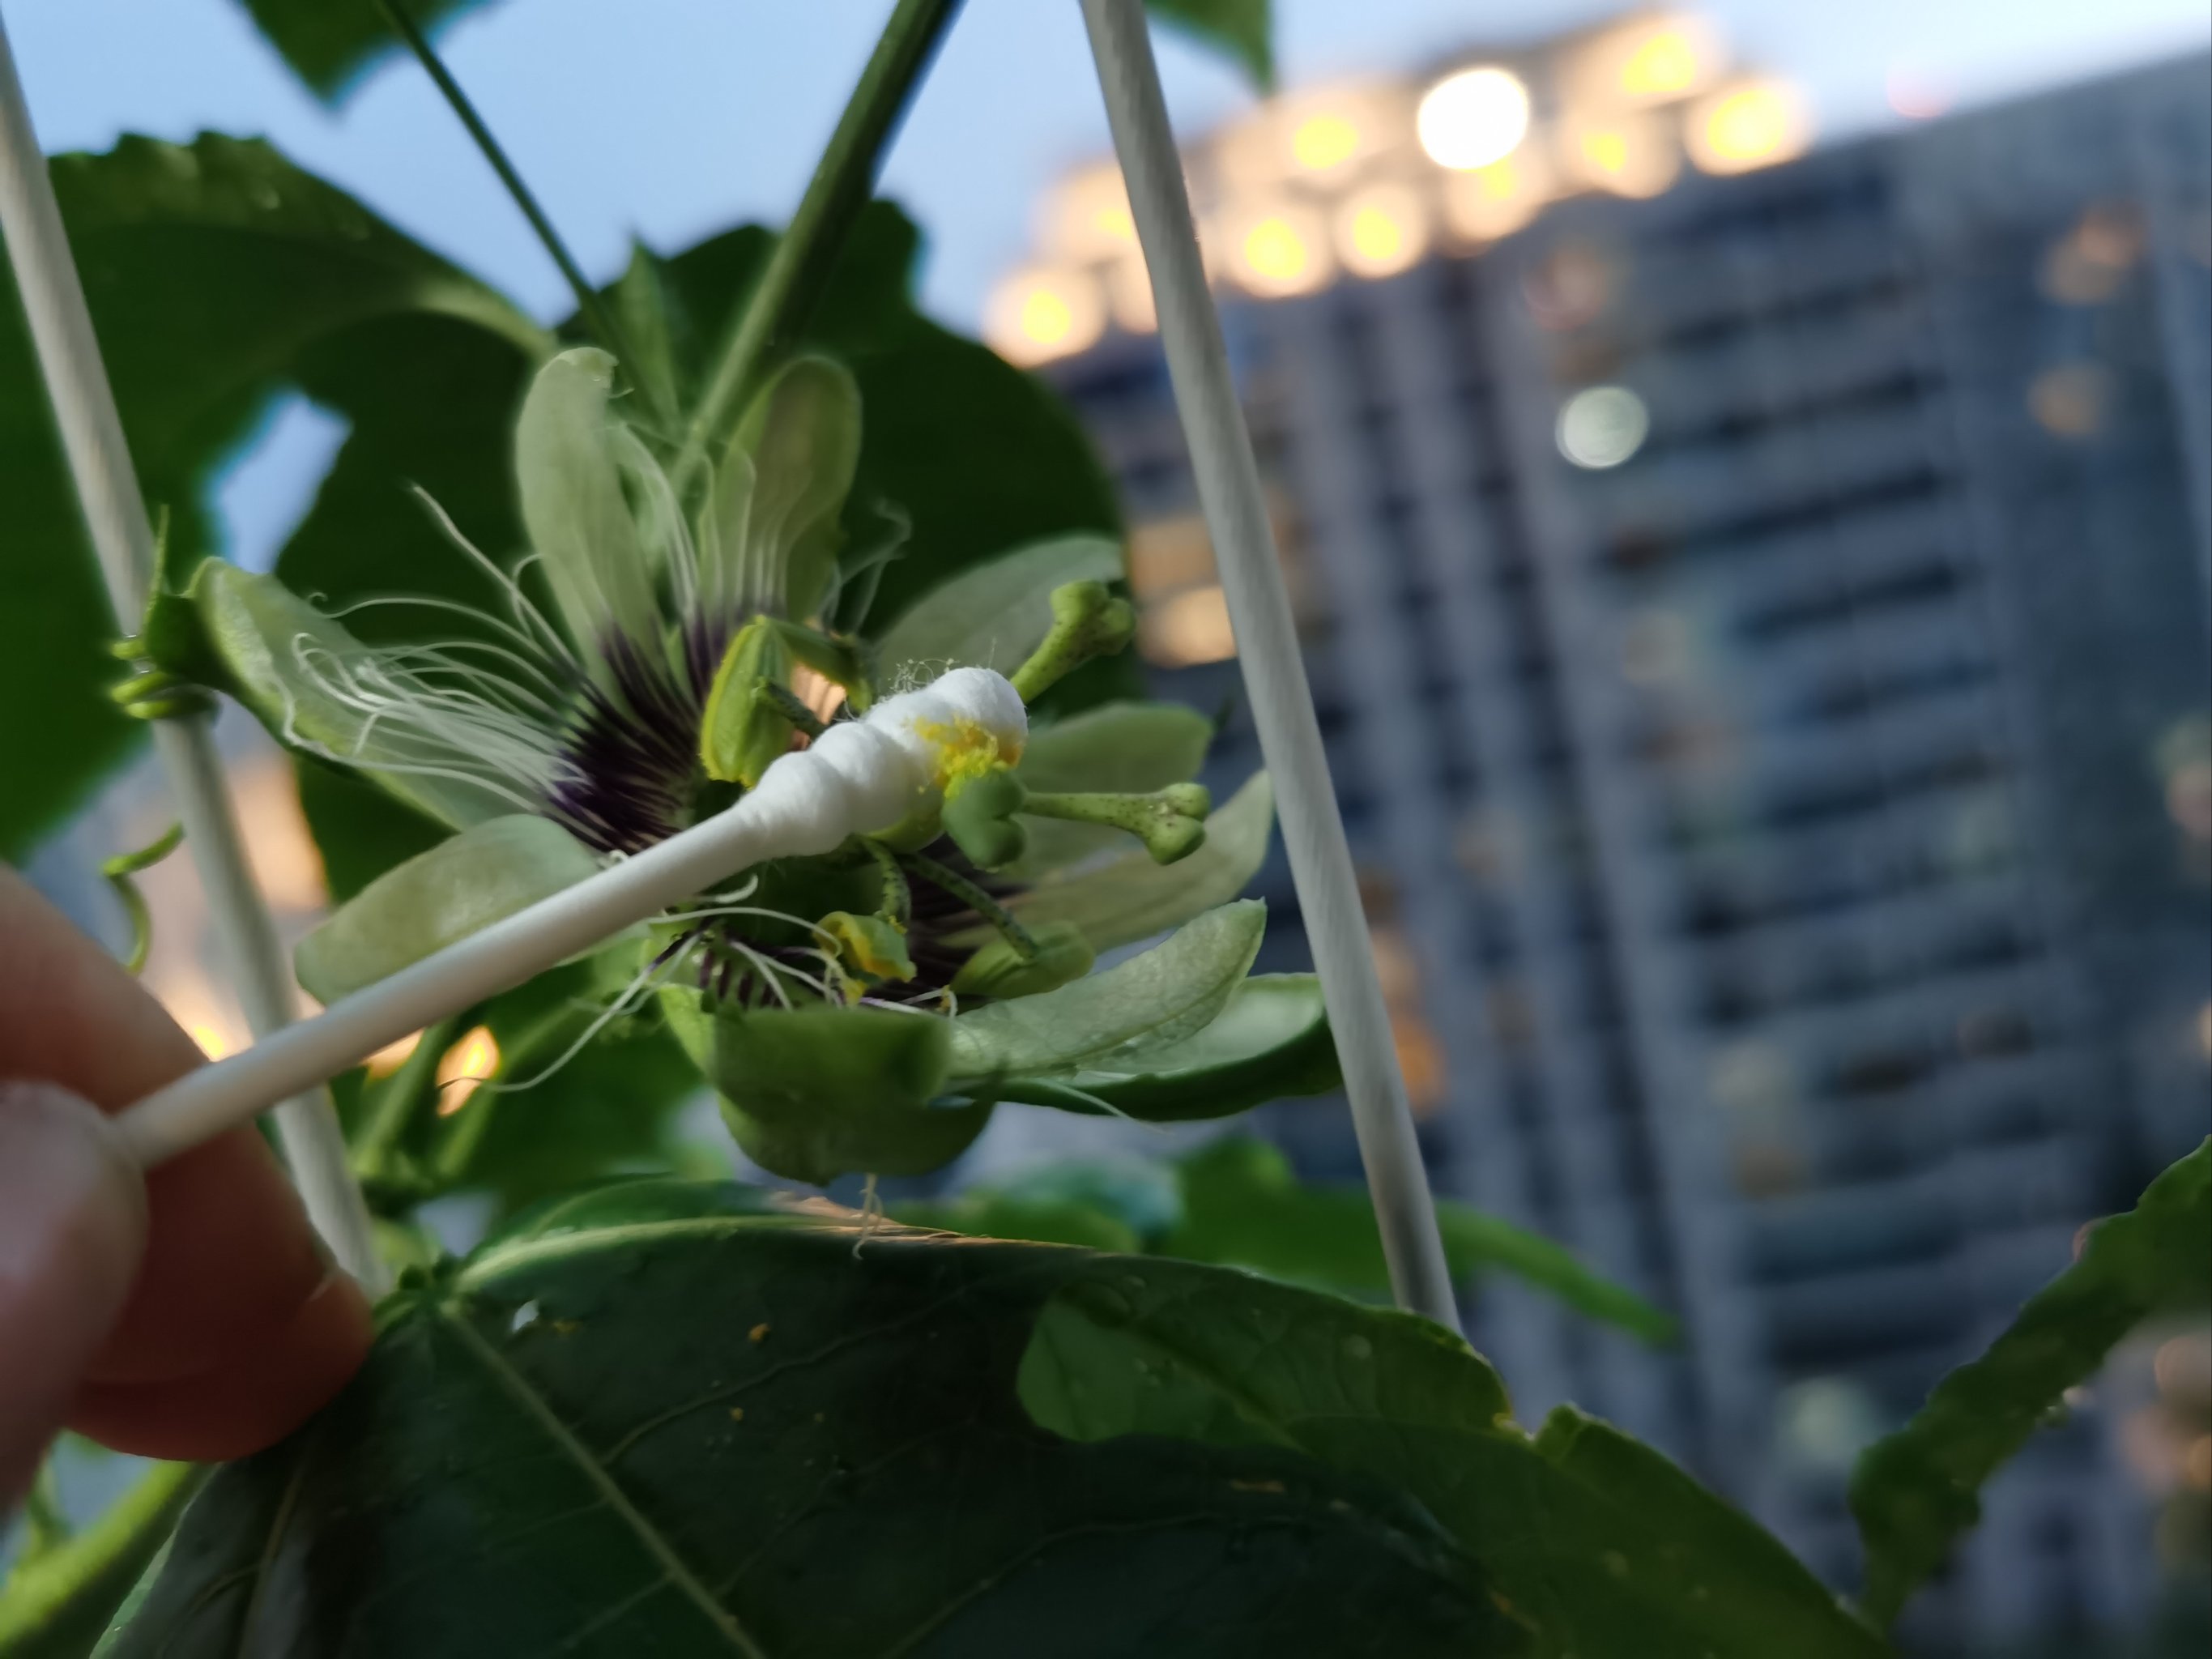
(667, 120)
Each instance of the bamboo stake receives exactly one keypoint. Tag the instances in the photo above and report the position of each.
(1229, 493)
(107, 489)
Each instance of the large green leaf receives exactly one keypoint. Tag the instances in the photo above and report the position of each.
(1239, 27)
(218, 274)
(1169, 993)
(1270, 1041)
(1915, 1491)
(1607, 1548)
(1243, 1206)
(645, 1427)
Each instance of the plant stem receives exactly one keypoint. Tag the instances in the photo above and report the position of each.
(842, 181)
(60, 1602)
(595, 312)
(952, 882)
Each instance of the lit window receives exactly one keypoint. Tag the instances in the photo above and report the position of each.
(1279, 249)
(1473, 118)
(1322, 141)
(1602, 426)
(1664, 63)
(1037, 315)
(1626, 154)
(1085, 216)
(464, 1068)
(1381, 230)
(1753, 124)
(1484, 204)
(1190, 628)
(2069, 401)
(1642, 61)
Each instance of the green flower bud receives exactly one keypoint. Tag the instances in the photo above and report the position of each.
(743, 729)
(979, 816)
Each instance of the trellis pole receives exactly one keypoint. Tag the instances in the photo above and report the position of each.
(1230, 495)
(108, 491)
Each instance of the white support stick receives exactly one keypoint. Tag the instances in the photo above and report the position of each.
(1229, 491)
(107, 489)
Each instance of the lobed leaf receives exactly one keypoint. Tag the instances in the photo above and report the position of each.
(639, 1426)
(1915, 1491)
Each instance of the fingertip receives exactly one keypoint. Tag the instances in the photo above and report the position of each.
(263, 1391)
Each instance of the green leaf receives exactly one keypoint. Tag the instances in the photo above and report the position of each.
(218, 274)
(1241, 28)
(1916, 1491)
(993, 615)
(1243, 1206)
(56, 1607)
(460, 887)
(1169, 991)
(1128, 748)
(998, 1215)
(794, 1436)
(1608, 1549)
(812, 1093)
(1270, 1041)
(1132, 898)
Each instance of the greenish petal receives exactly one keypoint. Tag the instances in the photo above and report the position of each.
(573, 505)
(281, 655)
(1271, 1040)
(993, 615)
(1169, 993)
(783, 484)
(814, 1093)
(1132, 898)
(459, 886)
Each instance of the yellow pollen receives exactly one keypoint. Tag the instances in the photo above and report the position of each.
(965, 751)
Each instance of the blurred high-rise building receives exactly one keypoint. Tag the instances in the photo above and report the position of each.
(1757, 601)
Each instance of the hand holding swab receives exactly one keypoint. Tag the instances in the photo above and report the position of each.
(858, 778)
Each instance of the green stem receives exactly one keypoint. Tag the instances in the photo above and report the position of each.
(61, 1601)
(842, 182)
(399, 1098)
(119, 870)
(603, 322)
(897, 900)
(950, 881)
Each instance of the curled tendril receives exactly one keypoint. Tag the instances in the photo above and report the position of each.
(119, 870)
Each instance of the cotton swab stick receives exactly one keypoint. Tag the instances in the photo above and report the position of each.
(1229, 493)
(859, 777)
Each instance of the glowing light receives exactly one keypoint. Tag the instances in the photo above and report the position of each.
(1628, 154)
(1322, 141)
(391, 1057)
(1279, 250)
(1750, 125)
(1663, 64)
(1602, 426)
(1473, 118)
(214, 1042)
(1086, 218)
(2069, 401)
(287, 867)
(1381, 230)
(464, 1068)
(1487, 203)
(1037, 315)
(1192, 627)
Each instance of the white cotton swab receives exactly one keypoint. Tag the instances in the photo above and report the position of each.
(859, 777)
